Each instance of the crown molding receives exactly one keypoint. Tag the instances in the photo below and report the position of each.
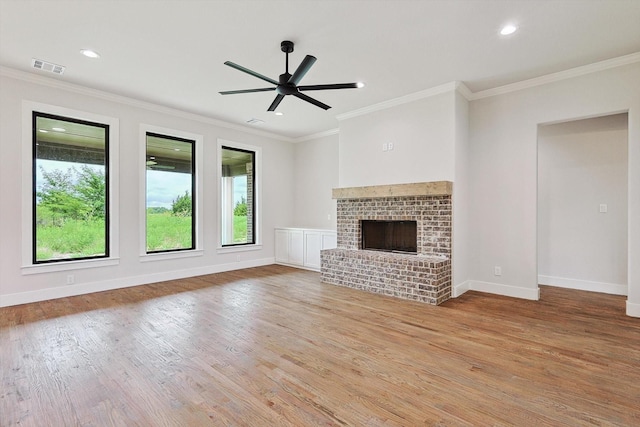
(83, 90)
(437, 90)
(464, 90)
(556, 77)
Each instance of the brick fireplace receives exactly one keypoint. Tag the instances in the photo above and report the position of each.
(424, 276)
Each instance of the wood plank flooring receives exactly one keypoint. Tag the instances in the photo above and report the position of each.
(273, 346)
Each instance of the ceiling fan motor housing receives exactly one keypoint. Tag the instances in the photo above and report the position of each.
(286, 46)
(286, 88)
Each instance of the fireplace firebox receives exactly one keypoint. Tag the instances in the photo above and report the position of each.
(390, 236)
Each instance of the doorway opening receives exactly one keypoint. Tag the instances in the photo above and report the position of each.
(582, 204)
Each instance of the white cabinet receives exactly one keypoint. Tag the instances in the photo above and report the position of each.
(296, 246)
(282, 246)
(312, 247)
(301, 247)
(289, 246)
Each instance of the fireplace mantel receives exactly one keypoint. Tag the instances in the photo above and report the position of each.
(433, 188)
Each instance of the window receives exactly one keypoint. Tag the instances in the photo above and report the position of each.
(238, 196)
(70, 189)
(170, 196)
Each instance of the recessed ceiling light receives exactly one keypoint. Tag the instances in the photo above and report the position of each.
(90, 53)
(508, 29)
(59, 129)
(278, 113)
(359, 85)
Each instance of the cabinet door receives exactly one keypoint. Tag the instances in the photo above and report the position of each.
(312, 246)
(296, 247)
(282, 246)
(329, 241)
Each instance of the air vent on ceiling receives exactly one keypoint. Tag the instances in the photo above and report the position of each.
(47, 66)
(255, 122)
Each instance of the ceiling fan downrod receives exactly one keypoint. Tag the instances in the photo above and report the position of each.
(287, 47)
(285, 87)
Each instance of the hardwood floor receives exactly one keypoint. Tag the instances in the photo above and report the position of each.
(272, 346)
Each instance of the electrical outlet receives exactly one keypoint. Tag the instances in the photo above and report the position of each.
(329, 217)
(603, 208)
(70, 279)
(390, 145)
(497, 271)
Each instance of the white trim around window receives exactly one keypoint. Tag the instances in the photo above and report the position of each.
(257, 245)
(28, 267)
(198, 211)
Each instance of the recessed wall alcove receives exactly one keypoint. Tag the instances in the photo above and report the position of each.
(421, 275)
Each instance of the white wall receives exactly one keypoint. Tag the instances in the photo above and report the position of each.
(503, 173)
(581, 165)
(316, 174)
(422, 133)
(277, 191)
(460, 200)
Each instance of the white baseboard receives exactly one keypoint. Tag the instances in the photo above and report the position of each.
(584, 285)
(633, 309)
(495, 288)
(505, 290)
(303, 267)
(460, 289)
(125, 282)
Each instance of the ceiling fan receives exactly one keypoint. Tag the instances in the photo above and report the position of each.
(287, 84)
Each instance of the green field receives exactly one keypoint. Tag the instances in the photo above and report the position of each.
(74, 239)
(166, 232)
(239, 229)
(79, 239)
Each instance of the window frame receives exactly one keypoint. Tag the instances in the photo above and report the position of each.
(192, 142)
(34, 117)
(196, 179)
(111, 257)
(253, 210)
(257, 197)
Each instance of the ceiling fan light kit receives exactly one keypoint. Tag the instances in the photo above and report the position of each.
(287, 84)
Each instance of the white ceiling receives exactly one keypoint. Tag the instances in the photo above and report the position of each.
(172, 52)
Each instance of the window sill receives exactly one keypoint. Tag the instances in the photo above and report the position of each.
(163, 256)
(242, 248)
(69, 265)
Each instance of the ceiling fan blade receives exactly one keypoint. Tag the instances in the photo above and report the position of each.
(233, 92)
(330, 86)
(311, 100)
(275, 103)
(250, 72)
(302, 69)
